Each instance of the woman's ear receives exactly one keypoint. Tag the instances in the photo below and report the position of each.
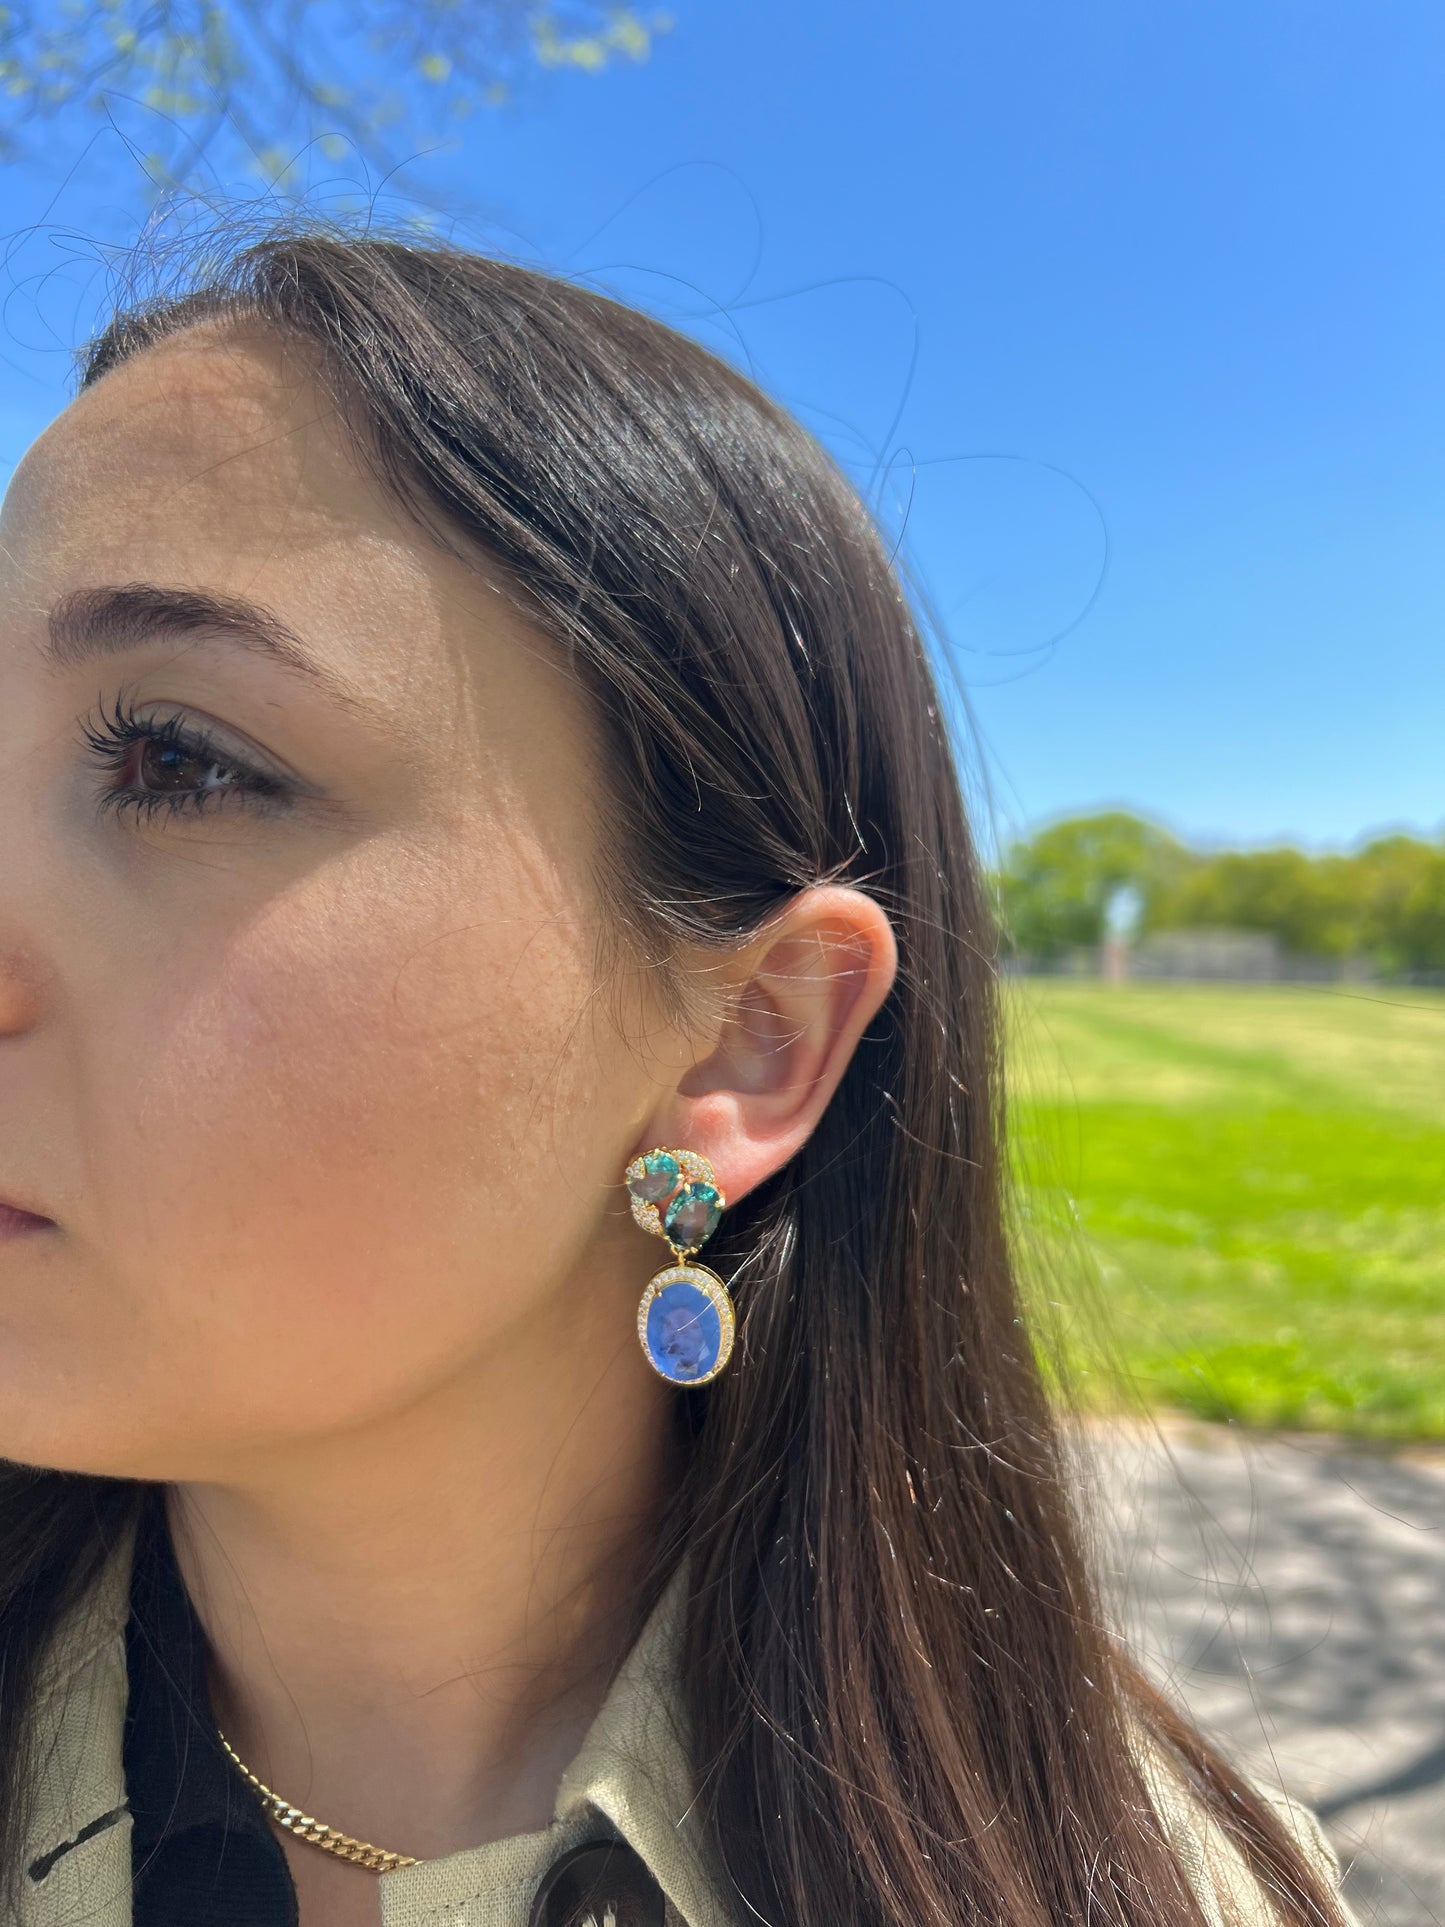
(797, 999)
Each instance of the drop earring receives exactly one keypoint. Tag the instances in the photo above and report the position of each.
(685, 1322)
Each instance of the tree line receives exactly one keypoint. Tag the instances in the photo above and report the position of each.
(1383, 903)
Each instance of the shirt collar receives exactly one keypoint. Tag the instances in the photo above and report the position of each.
(632, 1769)
(75, 1857)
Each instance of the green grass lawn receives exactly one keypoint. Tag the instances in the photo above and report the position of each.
(1251, 1182)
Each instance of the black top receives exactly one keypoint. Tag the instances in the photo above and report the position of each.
(203, 1853)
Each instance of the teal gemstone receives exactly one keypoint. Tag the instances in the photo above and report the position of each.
(659, 1175)
(693, 1216)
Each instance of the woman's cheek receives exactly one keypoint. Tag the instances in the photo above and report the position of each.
(374, 1086)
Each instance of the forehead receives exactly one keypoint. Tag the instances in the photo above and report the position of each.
(216, 439)
(219, 461)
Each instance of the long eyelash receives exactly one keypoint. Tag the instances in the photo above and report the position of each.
(111, 735)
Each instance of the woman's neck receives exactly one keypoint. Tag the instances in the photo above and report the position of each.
(413, 1625)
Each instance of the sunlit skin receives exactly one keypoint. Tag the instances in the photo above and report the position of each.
(330, 1105)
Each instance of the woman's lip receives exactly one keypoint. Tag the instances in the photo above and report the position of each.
(13, 1221)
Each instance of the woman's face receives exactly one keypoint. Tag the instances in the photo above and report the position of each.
(302, 1042)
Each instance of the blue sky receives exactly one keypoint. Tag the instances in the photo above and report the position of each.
(1160, 288)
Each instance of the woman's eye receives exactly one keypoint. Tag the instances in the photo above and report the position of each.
(172, 767)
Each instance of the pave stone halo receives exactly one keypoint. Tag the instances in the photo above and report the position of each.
(685, 1323)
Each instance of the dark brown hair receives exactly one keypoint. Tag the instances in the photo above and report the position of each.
(905, 1707)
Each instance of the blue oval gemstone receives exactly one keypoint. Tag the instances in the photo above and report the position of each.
(693, 1216)
(660, 1172)
(684, 1332)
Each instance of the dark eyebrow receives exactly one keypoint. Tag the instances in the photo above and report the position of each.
(87, 625)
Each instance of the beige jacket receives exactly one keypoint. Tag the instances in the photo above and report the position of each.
(632, 1768)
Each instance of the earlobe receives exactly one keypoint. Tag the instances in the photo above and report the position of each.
(806, 989)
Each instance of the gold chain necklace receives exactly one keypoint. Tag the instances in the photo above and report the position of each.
(360, 1852)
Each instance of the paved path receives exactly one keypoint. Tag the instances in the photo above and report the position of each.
(1294, 1594)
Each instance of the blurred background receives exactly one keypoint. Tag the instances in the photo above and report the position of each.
(1127, 322)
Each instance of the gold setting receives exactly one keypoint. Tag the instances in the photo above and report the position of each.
(707, 1282)
(360, 1853)
(696, 1169)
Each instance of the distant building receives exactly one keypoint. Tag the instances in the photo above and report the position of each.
(1241, 957)
(1201, 956)
(1234, 956)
